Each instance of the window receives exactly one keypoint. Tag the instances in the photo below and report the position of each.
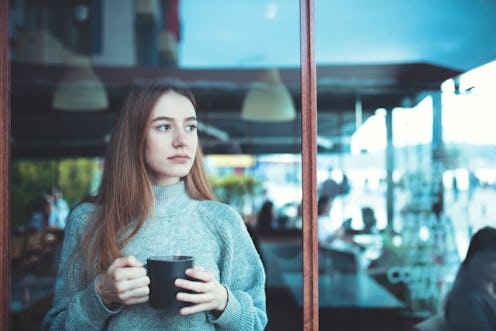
(391, 141)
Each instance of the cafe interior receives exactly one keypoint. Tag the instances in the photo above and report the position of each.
(405, 100)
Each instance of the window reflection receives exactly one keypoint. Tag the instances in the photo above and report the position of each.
(409, 261)
(72, 64)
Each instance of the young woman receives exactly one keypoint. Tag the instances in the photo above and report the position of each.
(471, 304)
(154, 199)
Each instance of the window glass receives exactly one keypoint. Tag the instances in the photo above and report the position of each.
(404, 168)
(73, 63)
(402, 177)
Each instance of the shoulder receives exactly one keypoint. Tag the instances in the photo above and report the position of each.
(469, 312)
(82, 209)
(78, 216)
(220, 213)
(216, 209)
(464, 300)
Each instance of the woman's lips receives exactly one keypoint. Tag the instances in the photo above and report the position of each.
(179, 158)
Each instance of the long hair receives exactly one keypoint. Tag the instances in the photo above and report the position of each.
(481, 251)
(125, 196)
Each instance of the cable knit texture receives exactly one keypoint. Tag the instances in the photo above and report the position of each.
(210, 231)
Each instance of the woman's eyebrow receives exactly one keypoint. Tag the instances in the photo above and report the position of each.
(167, 118)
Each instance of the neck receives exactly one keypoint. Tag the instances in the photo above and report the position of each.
(169, 199)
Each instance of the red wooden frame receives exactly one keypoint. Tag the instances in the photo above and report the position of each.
(309, 161)
(4, 166)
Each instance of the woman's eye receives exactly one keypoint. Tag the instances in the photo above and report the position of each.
(191, 127)
(164, 127)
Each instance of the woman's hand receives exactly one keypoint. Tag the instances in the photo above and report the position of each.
(209, 293)
(125, 281)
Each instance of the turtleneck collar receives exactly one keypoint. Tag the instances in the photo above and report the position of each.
(171, 199)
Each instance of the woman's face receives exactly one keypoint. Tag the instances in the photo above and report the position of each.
(171, 139)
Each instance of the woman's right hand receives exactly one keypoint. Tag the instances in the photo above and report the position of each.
(125, 281)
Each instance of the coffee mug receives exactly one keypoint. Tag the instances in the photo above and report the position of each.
(163, 271)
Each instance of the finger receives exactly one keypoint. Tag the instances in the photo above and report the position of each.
(127, 273)
(126, 261)
(140, 293)
(136, 300)
(194, 298)
(199, 287)
(195, 309)
(131, 261)
(199, 274)
(131, 284)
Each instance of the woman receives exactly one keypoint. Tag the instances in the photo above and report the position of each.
(154, 199)
(265, 218)
(471, 304)
(325, 231)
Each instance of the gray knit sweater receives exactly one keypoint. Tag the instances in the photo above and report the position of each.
(210, 231)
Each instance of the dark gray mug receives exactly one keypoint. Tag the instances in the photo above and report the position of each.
(163, 271)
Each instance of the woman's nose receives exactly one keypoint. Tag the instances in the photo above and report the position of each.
(180, 138)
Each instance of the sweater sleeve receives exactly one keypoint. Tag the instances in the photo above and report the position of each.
(75, 306)
(243, 275)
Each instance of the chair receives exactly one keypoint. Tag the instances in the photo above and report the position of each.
(32, 255)
(434, 323)
(280, 257)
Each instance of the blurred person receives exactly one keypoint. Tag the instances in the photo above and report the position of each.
(59, 210)
(155, 199)
(456, 190)
(329, 232)
(473, 184)
(365, 223)
(329, 187)
(471, 302)
(40, 214)
(325, 229)
(369, 220)
(266, 218)
(345, 186)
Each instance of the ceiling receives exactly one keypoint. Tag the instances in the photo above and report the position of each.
(378, 54)
(457, 34)
(38, 130)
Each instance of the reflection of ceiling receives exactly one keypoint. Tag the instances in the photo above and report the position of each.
(38, 130)
(378, 52)
(454, 34)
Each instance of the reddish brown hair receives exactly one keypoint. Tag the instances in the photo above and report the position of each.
(125, 197)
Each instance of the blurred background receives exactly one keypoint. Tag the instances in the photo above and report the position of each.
(405, 109)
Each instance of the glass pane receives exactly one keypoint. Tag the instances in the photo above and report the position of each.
(402, 178)
(74, 62)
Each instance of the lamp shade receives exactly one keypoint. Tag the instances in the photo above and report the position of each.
(80, 89)
(268, 100)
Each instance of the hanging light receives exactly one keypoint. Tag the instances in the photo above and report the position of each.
(268, 100)
(80, 89)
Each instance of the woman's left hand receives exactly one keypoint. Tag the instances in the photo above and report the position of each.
(209, 293)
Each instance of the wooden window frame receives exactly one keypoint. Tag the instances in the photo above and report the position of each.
(309, 155)
(4, 166)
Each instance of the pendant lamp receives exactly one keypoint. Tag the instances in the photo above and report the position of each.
(80, 89)
(268, 100)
